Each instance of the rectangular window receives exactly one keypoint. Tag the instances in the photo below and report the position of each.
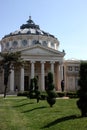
(76, 68)
(70, 68)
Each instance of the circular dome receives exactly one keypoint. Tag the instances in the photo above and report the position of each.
(29, 28)
(28, 34)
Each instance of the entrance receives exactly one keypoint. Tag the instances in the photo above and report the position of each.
(26, 83)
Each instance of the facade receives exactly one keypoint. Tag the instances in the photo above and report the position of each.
(71, 74)
(39, 50)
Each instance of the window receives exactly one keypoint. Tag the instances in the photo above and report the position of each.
(52, 44)
(24, 42)
(70, 68)
(33, 42)
(45, 43)
(76, 68)
(15, 43)
(7, 44)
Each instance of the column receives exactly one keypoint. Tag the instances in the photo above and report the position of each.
(59, 78)
(12, 80)
(32, 69)
(60, 74)
(22, 79)
(42, 76)
(52, 69)
(52, 66)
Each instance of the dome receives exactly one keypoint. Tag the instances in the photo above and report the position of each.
(28, 34)
(29, 28)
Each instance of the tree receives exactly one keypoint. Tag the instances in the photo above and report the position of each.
(37, 92)
(9, 60)
(51, 98)
(34, 92)
(31, 90)
(82, 92)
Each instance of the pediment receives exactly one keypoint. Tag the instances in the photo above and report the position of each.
(40, 50)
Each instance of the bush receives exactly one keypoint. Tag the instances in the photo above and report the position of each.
(82, 92)
(72, 94)
(25, 93)
(60, 94)
(67, 94)
(51, 101)
(51, 94)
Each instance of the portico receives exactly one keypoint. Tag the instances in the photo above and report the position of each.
(39, 69)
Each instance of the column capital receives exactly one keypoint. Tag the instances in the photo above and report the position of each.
(32, 61)
(52, 62)
(43, 62)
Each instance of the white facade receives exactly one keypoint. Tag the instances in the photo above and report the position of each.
(40, 52)
(71, 74)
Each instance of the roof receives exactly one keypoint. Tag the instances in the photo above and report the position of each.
(29, 28)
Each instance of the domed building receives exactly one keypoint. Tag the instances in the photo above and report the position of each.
(40, 51)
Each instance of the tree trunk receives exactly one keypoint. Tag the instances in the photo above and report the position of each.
(5, 91)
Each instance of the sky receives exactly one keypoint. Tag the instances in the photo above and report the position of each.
(65, 19)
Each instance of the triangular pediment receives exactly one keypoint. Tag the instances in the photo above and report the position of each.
(40, 50)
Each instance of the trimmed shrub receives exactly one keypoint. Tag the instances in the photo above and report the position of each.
(25, 93)
(82, 92)
(51, 94)
(72, 94)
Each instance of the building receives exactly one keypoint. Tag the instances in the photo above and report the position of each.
(39, 50)
(71, 74)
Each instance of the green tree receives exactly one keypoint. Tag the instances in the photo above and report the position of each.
(82, 92)
(33, 91)
(37, 92)
(9, 60)
(51, 98)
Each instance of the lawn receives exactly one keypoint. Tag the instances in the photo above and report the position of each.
(21, 113)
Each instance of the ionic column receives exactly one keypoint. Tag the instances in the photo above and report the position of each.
(60, 74)
(42, 76)
(12, 80)
(59, 78)
(22, 79)
(52, 66)
(52, 69)
(32, 69)
(61, 71)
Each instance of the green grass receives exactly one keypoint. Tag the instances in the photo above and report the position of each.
(20, 113)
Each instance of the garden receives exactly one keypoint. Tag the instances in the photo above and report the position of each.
(22, 113)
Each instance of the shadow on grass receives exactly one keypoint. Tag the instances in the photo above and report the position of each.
(34, 109)
(59, 120)
(23, 104)
(21, 100)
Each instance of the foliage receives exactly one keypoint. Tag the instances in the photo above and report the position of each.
(34, 92)
(51, 98)
(9, 60)
(25, 93)
(82, 92)
(31, 90)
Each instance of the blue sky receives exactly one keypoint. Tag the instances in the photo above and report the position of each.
(66, 19)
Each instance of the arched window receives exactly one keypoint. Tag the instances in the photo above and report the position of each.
(45, 43)
(24, 42)
(34, 42)
(14, 44)
(52, 44)
(7, 44)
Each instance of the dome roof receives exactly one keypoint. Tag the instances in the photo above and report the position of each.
(29, 28)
